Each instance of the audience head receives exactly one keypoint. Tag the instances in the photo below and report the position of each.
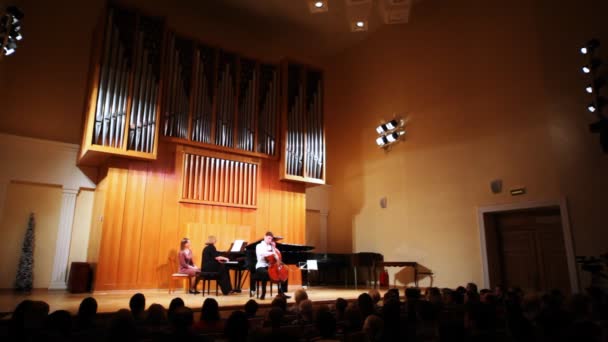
(137, 304)
(412, 293)
(251, 308)
(156, 314)
(182, 319)
(300, 295)
(305, 309)
(275, 316)
(237, 327)
(122, 326)
(326, 323)
(60, 323)
(341, 305)
(375, 295)
(471, 287)
(175, 303)
(373, 327)
(353, 318)
(280, 302)
(366, 305)
(210, 311)
(87, 310)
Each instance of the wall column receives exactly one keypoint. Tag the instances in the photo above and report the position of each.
(64, 236)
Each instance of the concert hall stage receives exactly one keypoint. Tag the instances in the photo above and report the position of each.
(111, 301)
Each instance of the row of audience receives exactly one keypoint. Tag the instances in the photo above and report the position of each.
(462, 314)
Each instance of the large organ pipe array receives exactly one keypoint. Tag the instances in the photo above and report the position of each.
(304, 139)
(148, 81)
(179, 58)
(125, 85)
(226, 95)
(203, 94)
(116, 65)
(144, 105)
(246, 105)
(315, 147)
(268, 109)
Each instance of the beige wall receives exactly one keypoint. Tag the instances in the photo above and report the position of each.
(490, 91)
(82, 226)
(44, 201)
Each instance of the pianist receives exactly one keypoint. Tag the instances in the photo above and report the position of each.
(265, 248)
(213, 262)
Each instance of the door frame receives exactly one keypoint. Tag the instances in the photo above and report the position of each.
(565, 221)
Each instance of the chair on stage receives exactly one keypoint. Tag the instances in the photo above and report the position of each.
(176, 277)
(207, 277)
(259, 278)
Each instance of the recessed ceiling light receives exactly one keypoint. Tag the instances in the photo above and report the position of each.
(317, 6)
(360, 24)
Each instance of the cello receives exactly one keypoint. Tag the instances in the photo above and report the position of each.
(277, 270)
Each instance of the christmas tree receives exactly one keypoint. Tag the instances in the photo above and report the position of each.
(24, 279)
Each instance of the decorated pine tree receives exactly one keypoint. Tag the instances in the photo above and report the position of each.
(24, 279)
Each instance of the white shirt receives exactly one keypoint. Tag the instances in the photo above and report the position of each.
(262, 250)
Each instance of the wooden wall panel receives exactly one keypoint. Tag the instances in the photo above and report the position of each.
(151, 228)
(109, 249)
(144, 221)
(131, 236)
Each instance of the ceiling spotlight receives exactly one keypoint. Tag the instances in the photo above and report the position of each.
(590, 46)
(317, 6)
(589, 89)
(594, 64)
(358, 25)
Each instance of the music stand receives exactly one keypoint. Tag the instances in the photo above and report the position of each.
(309, 265)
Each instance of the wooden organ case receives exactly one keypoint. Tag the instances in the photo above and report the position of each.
(190, 135)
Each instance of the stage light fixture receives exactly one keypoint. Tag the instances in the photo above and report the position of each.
(389, 139)
(597, 106)
(10, 25)
(590, 46)
(387, 127)
(594, 64)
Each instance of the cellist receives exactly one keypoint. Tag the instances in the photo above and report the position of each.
(264, 249)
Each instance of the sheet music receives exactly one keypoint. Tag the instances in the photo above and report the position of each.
(312, 265)
(237, 245)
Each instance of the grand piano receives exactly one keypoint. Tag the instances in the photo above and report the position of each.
(292, 254)
(334, 268)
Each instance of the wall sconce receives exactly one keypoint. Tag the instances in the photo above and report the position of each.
(390, 132)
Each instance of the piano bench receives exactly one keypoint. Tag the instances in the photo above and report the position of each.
(178, 276)
(207, 277)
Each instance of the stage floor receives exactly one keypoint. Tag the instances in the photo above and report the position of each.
(111, 301)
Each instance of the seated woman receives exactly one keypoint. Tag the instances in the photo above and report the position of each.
(213, 262)
(186, 265)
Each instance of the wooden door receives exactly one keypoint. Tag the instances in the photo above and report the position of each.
(531, 250)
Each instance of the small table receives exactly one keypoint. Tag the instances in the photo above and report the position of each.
(381, 264)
